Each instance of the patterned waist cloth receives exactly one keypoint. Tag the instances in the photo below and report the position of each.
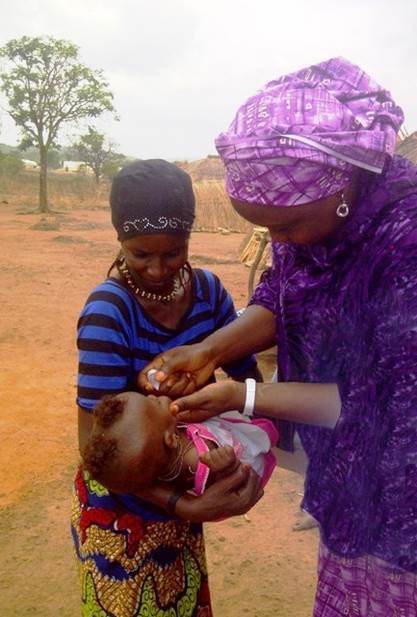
(363, 587)
(136, 565)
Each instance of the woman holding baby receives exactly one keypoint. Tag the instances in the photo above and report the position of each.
(142, 552)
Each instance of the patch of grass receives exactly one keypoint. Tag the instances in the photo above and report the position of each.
(206, 259)
(70, 240)
(46, 224)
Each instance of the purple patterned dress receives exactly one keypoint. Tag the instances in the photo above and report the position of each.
(346, 313)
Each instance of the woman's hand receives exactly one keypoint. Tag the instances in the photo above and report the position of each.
(210, 401)
(180, 371)
(183, 370)
(232, 495)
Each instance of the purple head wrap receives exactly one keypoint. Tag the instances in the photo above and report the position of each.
(300, 138)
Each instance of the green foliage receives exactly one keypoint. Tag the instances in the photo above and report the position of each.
(6, 149)
(10, 165)
(46, 86)
(31, 153)
(54, 158)
(110, 168)
(97, 152)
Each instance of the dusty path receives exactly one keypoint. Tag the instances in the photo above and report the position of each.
(258, 567)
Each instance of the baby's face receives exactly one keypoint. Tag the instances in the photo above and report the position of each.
(143, 432)
(158, 410)
(145, 418)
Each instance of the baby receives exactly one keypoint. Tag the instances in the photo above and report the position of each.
(136, 442)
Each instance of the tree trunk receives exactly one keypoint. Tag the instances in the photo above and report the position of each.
(43, 186)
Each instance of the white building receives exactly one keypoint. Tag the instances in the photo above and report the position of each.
(76, 166)
(30, 164)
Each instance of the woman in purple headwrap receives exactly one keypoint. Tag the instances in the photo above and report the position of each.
(311, 157)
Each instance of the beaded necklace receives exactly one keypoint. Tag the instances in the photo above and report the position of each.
(142, 293)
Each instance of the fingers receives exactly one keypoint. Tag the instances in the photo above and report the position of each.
(175, 385)
(190, 402)
(166, 364)
(231, 495)
(247, 493)
(219, 459)
(213, 399)
(171, 362)
(233, 481)
(191, 387)
(252, 491)
(195, 416)
(156, 364)
(209, 397)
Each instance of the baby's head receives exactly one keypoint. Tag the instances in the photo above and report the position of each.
(131, 442)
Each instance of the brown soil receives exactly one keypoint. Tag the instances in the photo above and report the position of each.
(258, 566)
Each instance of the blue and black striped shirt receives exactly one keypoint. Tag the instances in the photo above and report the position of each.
(117, 337)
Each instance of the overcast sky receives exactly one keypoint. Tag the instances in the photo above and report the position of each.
(180, 68)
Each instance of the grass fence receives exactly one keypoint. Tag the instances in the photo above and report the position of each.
(71, 191)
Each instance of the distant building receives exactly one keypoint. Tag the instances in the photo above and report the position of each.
(30, 164)
(76, 166)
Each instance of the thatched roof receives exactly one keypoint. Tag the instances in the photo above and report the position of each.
(210, 168)
(408, 147)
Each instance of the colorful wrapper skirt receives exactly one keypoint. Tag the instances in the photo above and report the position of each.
(363, 587)
(134, 561)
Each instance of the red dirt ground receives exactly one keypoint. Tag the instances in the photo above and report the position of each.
(258, 566)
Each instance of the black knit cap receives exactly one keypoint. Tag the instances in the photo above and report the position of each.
(152, 197)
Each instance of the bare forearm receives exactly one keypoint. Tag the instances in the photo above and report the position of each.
(307, 403)
(253, 331)
(208, 507)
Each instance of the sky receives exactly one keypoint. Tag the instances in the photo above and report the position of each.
(179, 69)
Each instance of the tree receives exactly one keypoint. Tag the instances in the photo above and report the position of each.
(97, 152)
(10, 164)
(111, 167)
(46, 86)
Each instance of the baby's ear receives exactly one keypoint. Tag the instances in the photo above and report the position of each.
(170, 439)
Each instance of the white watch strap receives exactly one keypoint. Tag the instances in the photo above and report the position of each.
(250, 397)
